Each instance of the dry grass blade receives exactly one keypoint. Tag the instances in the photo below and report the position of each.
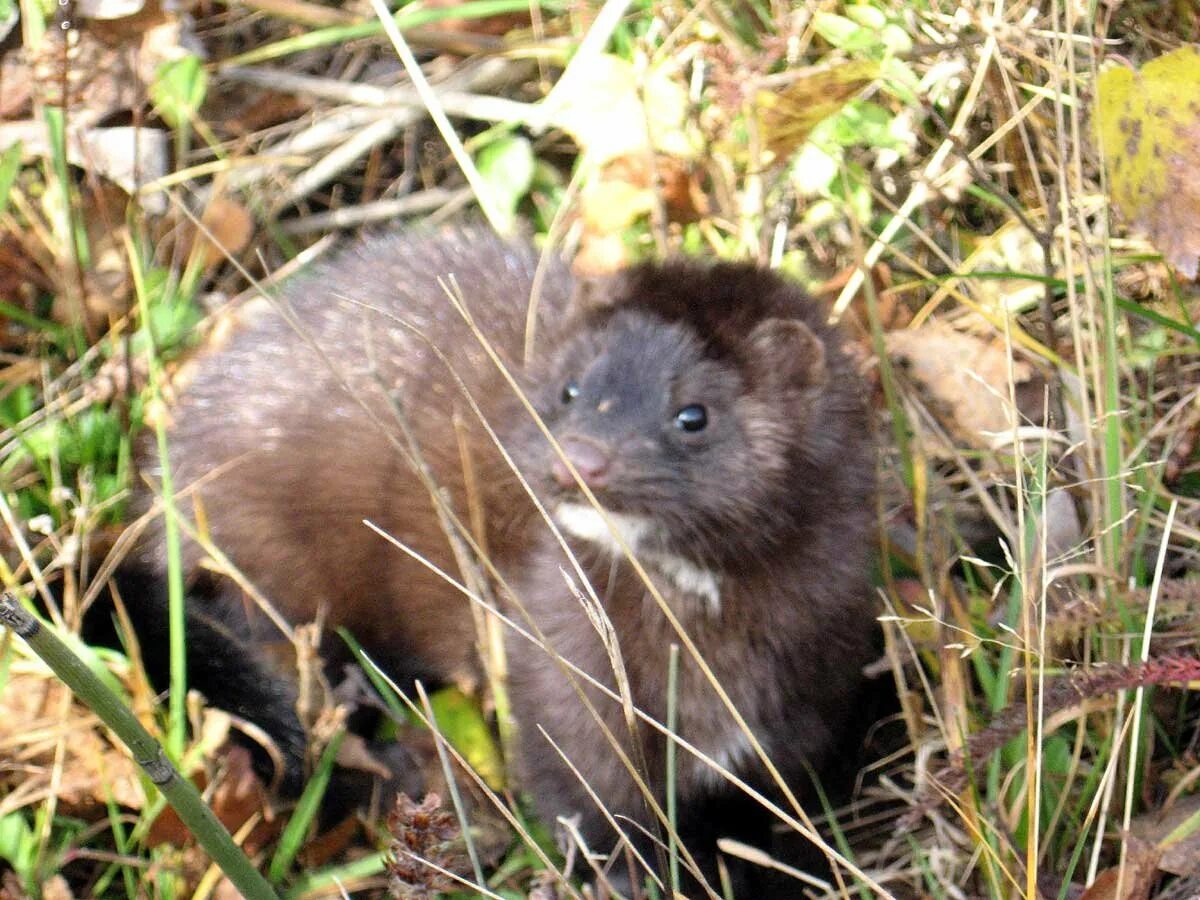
(944, 174)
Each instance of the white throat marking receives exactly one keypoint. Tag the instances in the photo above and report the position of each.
(581, 520)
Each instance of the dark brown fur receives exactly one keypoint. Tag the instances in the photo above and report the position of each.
(756, 529)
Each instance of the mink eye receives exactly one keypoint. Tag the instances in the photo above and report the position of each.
(691, 418)
(570, 391)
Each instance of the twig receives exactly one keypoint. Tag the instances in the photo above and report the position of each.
(466, 104)
(342, 157)
(483, 191)
(377, 211)
(330, 129)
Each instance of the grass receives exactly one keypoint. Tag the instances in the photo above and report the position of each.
(1036, 570)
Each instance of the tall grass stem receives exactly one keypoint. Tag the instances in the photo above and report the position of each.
(147, 752)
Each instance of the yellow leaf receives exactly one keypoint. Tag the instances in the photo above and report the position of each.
(609, 205)
(611, 110)
(788, 116)
(1148, 124)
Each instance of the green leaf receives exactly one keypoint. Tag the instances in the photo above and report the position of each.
(16, 841)
(897, 77)
(838, 30)
(305, 812)
(8, 17)
(506, 166)
(172, 313)
(461, 722)
(862, 123)
(17, 405)
(307, 884)
(179, 89)
(866, 16)
(42, 441)
(896, 39)
(96, 437)
(10, 165)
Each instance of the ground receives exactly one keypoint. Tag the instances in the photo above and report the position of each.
(999, 202)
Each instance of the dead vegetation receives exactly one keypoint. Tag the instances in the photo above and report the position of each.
(929, 169)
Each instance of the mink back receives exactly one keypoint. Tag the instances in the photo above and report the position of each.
(295, 431)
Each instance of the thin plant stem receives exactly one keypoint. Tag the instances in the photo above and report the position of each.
(146, 751)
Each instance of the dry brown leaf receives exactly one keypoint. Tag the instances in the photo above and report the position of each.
(965, 376)
(355, 753)
(248, 109)
(497, 25)
(788, 115)
(1182, 855)
(890, 310)
(331, 842)
(56, 888)
(236, 798)
(21, 278)
(609, 206)
(1134, 880)
(127, 156)
(108, 287)
(231, 227)
(681, 192)
(161, 39)
(1149, 127)
(108, 65)
(96, 77)
(16, 85)
(627, 188)
(239, 796)
(623, 191)
(10, 886)
(149, 37)
(31, 727)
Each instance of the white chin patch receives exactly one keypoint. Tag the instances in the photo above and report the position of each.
(582, 521)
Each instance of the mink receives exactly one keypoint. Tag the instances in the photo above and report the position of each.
(708, 408)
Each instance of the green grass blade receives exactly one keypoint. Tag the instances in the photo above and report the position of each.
(409, 17)
(177, 701)
(306, 811)
(10, 165)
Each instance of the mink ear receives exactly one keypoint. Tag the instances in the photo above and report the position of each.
(785, 353)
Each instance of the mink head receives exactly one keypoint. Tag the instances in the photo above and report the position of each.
(702, 436)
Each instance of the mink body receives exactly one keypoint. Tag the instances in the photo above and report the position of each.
(709, 409)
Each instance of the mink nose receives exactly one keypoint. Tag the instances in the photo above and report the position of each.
(590, 460)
